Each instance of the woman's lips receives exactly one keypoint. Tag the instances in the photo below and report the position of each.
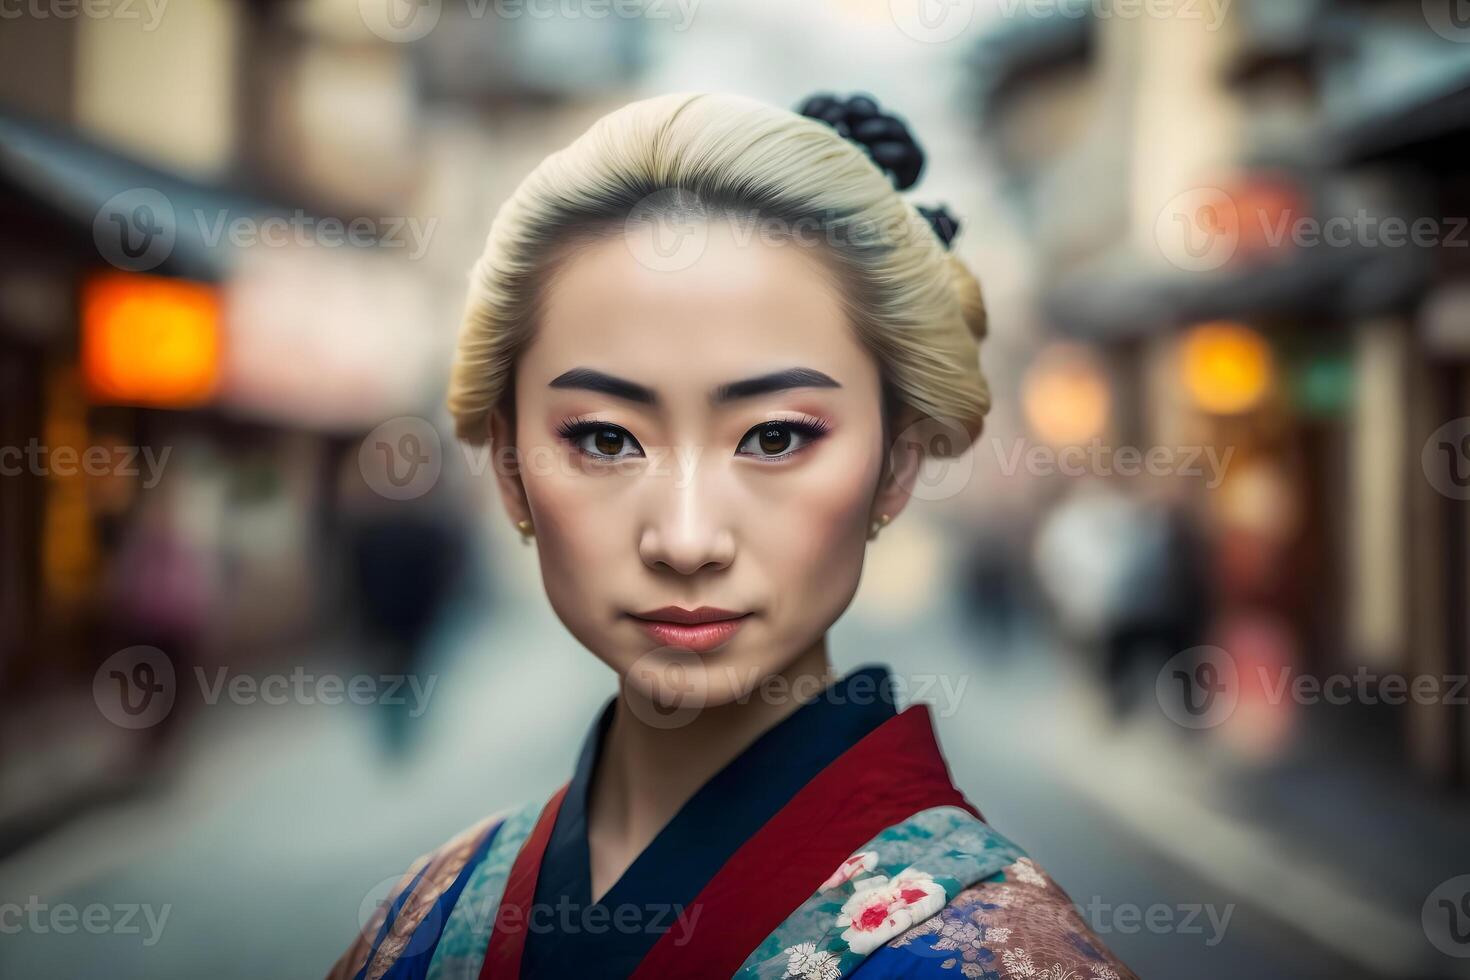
(699, 637)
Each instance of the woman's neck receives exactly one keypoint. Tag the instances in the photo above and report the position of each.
(645, 773)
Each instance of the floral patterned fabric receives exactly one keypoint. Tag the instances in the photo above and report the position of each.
(941, 895)
(1015, 925)
(897, 880)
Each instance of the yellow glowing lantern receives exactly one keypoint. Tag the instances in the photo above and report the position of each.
(1227, 367)
(1066, 396)
(150, 340)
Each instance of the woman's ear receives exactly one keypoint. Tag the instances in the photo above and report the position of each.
(505, 459)
(902, 459)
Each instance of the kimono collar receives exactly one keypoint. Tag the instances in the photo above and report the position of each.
(730, 808)
(780, 761)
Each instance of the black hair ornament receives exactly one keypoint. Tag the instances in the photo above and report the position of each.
(888, 143)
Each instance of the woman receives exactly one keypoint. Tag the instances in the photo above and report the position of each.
(694, 341)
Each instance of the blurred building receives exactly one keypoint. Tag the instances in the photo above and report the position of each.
(212, 286)
(1225, 215)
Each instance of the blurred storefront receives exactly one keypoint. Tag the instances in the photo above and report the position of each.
(1226, 216)
(183, 366)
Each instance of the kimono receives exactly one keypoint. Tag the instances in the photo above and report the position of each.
(835, 844)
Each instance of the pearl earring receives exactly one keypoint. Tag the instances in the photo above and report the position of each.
(527, 531)
(878, 525)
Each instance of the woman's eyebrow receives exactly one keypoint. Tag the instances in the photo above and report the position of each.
(589, 379)
(798, 377)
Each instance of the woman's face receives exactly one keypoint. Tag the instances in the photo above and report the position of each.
(707, 437)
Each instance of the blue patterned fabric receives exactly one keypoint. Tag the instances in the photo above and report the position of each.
(461, 946)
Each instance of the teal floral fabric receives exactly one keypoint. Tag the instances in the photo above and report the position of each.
(897, 880)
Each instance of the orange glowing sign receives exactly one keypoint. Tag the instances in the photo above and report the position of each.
(150, 340)
(1066, 396)
(1227, 367)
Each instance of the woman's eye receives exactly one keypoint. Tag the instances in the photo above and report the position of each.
(603, 441)
(774, 440)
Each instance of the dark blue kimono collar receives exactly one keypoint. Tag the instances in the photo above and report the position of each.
(724, 813)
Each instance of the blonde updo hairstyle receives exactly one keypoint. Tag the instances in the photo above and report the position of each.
(913, 303)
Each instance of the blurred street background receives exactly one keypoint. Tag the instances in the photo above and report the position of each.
(1194, 615)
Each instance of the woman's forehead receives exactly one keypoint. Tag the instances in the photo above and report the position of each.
(743, 305)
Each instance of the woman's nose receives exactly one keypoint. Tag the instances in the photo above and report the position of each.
(688, 527)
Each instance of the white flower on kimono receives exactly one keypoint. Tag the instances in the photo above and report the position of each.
(1018, 963)
(1025, 870)
(807, 962)
(881, 908)
(851, 868)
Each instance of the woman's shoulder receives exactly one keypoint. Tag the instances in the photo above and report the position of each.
(1016, 923)
(418, 891)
